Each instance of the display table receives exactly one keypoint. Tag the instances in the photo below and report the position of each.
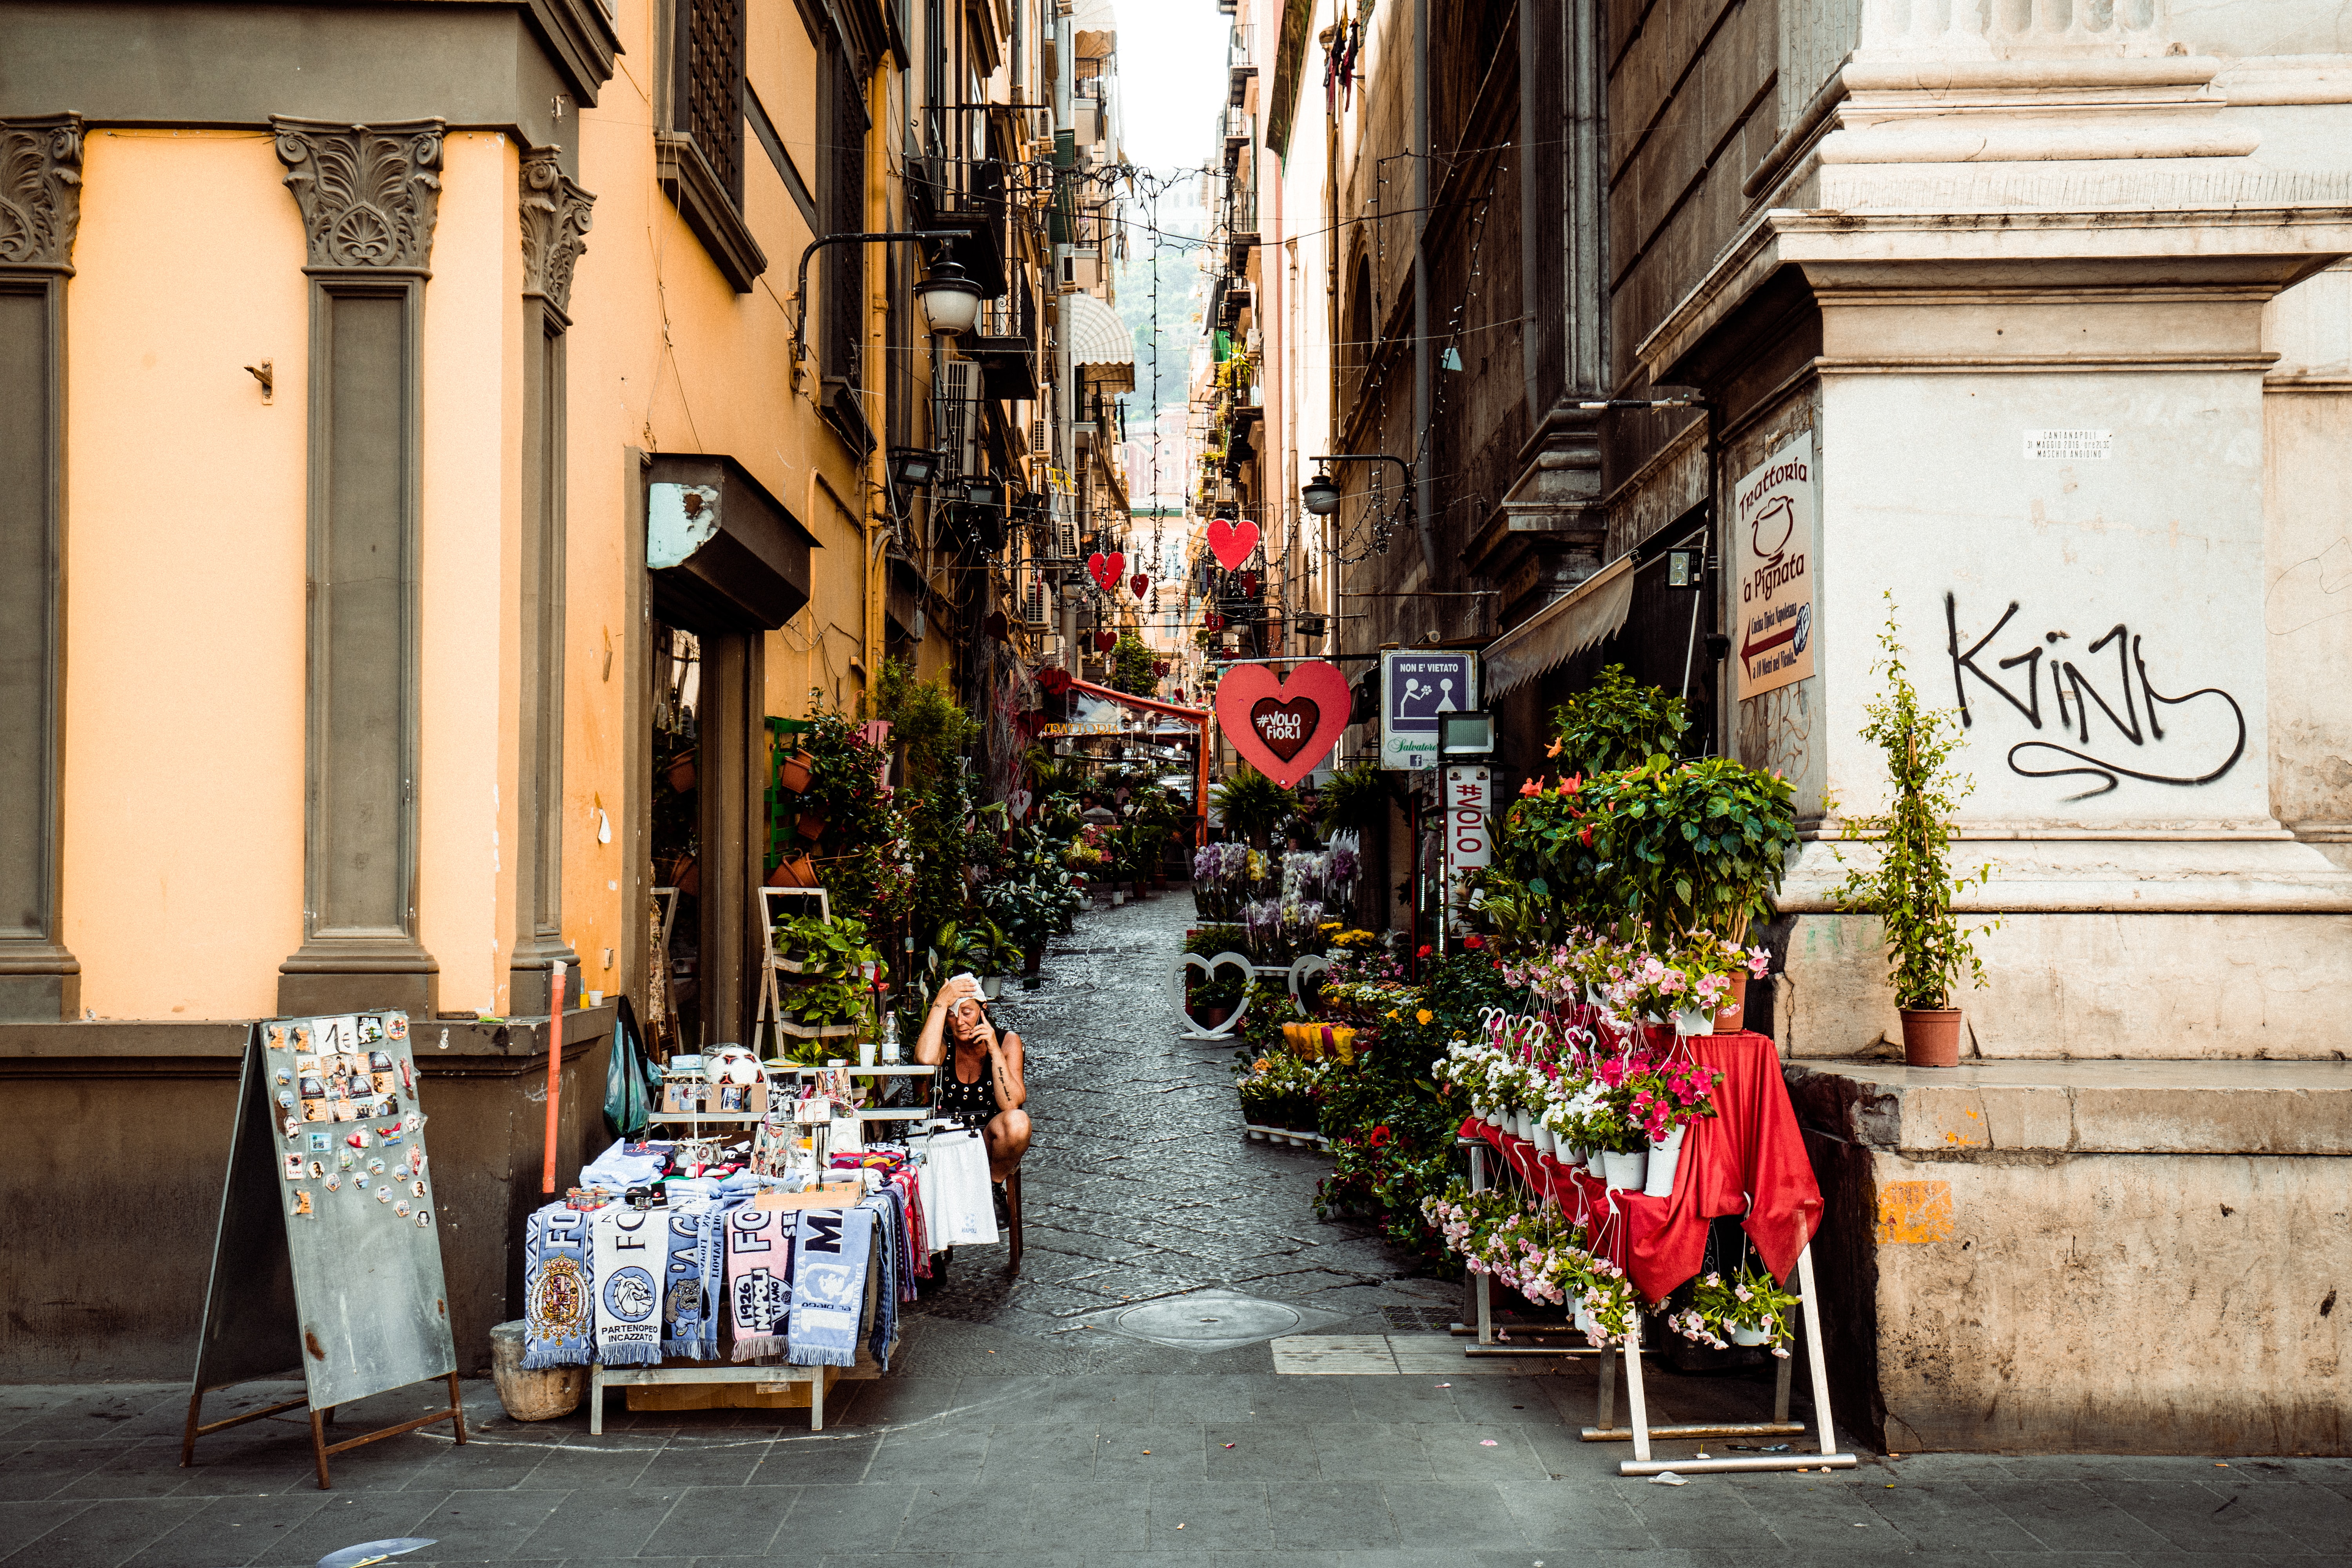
(1750, 1148)
(1748, 1158)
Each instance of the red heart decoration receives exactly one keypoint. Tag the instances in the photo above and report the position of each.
(999, 628)
(1230, 542)
(1283, 728)
(1106, 641)
(1140, 584)
(1106, 570)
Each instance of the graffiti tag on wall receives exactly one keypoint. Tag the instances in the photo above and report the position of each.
(2138, 732)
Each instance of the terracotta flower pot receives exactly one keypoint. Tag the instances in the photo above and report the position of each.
(685, 876)
(798, 872)
(682, 771)
(795, 773)
(1732, 1016)
(811, 824)
(1931, 1036)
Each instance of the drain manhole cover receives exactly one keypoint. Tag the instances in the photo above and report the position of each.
(1215, 1320)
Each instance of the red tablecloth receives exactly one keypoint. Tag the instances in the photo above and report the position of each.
(1750, 1149)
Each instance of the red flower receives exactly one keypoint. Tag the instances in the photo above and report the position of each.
(1474, 941)
(1424, 952)
(1380, 1137)
(1585, 837)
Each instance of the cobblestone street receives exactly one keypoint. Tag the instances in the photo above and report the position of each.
(1023, 1424)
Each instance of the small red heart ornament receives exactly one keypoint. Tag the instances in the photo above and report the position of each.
(1140, 584)
(1283, 727)
(1106, 570)
(1230, 542)
(1106, 641)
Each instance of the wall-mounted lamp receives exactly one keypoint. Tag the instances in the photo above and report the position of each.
(913, 468)
(951, 300)
(1470, 734)
(1320, 495)
(947, 279)
(1685, 568)
(266, 374)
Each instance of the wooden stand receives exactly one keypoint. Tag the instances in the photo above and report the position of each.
(320, 1421)
(764, 1379)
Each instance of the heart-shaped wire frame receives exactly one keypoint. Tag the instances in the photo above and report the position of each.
(1193, 1029)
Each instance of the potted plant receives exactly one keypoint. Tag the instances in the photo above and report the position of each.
(1911, 884)
(796, 772)
(1251, 805)
(1748, 1309)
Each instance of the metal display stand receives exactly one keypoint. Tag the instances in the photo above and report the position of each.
(1641, 1433)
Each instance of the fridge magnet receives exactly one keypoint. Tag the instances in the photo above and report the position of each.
(284, 1078)
(376, 1167)
(356, 1140)
(371, 1028)
(318, 1143)
(388, 1135)
(292, 1127)
(360, 1180)
(344, 1160)
(416, 1189)
(301, 1204)
(424, 1216)
(286, 1097)
(346, 1112)
(334, 1181)
(383, 1194)
(396, 1026)
(400, 1208)
(406, 1082)
(318, 1169)
(293, 1167)
(301, 1037)
(306, 1064)
(275, 1035)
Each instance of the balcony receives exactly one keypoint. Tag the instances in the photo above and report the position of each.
(1241, 128)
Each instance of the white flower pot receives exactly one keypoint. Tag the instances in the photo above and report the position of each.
(1742, 1334)
(1586, 1323)
(1592, 1162)
(1663, 1158)
(1694, 1021)
(1624, 1173)
(1592, 997)
(1547, 1141)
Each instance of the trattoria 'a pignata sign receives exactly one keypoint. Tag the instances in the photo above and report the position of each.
(1773, 548)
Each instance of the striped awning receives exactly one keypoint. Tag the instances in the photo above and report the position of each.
(1592, 610)
(1099, 340)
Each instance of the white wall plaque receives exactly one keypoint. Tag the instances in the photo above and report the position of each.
(2069, 445)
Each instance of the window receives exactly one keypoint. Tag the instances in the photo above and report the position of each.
(841, 200)
(699, 156)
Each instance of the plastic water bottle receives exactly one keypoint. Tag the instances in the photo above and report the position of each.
(890, 1036)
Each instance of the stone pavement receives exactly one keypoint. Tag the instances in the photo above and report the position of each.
(1012, 1434)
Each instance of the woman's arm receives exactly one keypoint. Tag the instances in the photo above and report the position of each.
(1011, 1093)
(930, 1048)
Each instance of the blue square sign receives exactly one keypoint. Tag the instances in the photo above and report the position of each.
(1415, 688)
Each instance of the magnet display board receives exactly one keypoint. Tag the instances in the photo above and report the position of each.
(329, 1247)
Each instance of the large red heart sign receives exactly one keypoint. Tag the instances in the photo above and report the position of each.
(1106, 570)
(1230, 542)
(1283, 728)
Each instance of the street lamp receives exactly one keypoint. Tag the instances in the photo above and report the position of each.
(1321, 495)
(946, 277)
(951, 300)
(913, 468)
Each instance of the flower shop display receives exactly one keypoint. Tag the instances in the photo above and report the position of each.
(1910, 885)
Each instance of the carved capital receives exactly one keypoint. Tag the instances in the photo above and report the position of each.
(555, 218)
(40, 190)
(369, 194)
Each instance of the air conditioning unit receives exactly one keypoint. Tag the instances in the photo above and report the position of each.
(1036, 604)
(1041, 436)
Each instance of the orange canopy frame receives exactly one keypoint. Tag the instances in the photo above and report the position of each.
(1197, 716)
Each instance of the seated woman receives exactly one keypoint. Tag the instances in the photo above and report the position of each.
(980, 1085)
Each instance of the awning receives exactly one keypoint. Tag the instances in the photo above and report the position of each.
(1099, 340)
(1589, 612)
(724, 555)
(1147, 704)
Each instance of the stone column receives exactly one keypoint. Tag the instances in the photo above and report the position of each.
(40, 203)
(554, 214)
(368, 198)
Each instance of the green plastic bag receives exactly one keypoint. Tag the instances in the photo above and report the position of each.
(632, 1082)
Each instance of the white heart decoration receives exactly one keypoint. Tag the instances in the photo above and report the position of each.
(1208, 968)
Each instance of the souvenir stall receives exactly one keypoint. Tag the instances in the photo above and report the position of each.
(757, 1246)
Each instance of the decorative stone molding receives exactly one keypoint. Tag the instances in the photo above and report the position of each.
(369, 194)
(2012, 29)
(40, 191)
(555, 215)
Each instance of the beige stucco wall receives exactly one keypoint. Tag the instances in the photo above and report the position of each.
(184, 652)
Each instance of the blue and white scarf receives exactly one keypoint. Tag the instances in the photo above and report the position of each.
(885, 1302)
(687, 1322)
(828, 1286)
(559, 1314)
(631, 1253)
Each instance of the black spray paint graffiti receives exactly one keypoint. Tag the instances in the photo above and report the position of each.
(2140, 722)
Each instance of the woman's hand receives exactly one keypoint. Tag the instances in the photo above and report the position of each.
(958, 989)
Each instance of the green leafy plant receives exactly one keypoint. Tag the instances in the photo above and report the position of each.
(978, 943)
(1616, 724)
(873, 878)
(1131, 665)
(1251, 805)
(1749, 1298)
(1911, 884)
(827, 1002)
(1355, 800)
(835, 949)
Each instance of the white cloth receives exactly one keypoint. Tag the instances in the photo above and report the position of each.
(957, 1206)
(614, 1169)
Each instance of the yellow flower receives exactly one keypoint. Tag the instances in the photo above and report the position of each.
(1424, 1015)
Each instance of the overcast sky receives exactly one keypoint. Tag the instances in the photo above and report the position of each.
(1171, 78)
